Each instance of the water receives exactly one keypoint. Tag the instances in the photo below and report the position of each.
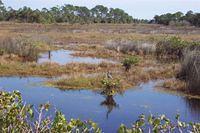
(108, 112)
(63, 57)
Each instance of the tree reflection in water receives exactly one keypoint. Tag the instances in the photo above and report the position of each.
(109, 101)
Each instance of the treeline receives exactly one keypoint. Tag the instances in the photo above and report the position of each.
(98, 14)
(66, 13)
(178, 18)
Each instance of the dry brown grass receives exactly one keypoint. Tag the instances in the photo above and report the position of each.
(175, 85)
(90, 40)
(9, 68)
(136, 75)
(96, 33)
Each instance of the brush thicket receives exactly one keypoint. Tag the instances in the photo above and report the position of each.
(22, 47)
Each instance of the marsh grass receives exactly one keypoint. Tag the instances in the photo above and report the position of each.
(90, 40)
(126, 81)
(8, 68)
(190, 70)
(26, 49)
(175, 85)
(131, 46)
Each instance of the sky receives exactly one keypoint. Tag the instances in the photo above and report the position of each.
(145, 9)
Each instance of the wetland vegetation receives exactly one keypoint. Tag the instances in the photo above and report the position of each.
(115, 70)
(121, 62)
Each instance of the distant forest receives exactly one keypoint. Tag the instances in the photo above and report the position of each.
(98, 14)
(178, 18)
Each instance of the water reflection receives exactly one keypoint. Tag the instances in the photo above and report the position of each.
(109, 101)
(110, 104)
(194, 106)
(63, 57)
(86, 104)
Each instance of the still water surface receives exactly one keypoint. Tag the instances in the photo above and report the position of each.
(85, 104)
(63, 57)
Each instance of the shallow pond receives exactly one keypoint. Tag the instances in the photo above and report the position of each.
(86, 104)
(63, 57)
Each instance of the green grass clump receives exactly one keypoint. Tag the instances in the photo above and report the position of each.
(78, 82)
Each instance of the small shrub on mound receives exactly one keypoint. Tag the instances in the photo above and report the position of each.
(110, 83)
(110, 86)
(190, 70)
(129, 61)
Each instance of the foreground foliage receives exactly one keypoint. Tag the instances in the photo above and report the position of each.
(15, 116)
(160, 124)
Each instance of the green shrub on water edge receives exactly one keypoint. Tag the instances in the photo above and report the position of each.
(17, 117)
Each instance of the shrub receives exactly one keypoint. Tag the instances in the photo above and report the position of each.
(110, 83)
(129, 61)
(171, 48)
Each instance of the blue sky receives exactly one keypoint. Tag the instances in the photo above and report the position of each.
(137, 8)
